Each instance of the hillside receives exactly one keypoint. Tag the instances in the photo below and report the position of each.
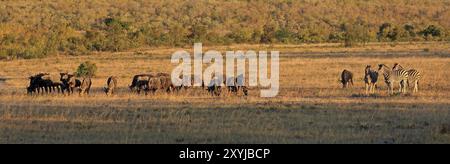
(32, 28)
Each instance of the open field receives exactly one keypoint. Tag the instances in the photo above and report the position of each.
(310, 108)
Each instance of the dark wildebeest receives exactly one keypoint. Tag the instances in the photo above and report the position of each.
(346, 78)
(138, 81)
(236, 84)
(85, 86)
(52, 84)
(162, 81)
(162, 74)
(111, 85)
(166, 83)
(36, 83)
(70, 82)
(43, 82)
(370, 79)
(154, 84)
(141, 85)
(215, 87)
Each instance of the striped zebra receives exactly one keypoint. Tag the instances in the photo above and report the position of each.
(413, 76)
(393, 76)
(370, 79)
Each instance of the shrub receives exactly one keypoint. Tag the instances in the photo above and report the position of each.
(388, 32)
(431, 31)
(86, 69)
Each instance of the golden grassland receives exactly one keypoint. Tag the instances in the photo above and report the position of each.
(310, 108)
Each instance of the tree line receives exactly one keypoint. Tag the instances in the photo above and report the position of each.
(33, 29)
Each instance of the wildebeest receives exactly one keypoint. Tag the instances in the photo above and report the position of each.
(162, 81)
(154, 84)
(85, 86)
(139, 80)
(42, 82)
(111, 85)
(166, 83)
(70, 82)
(159, 74)
(52, 84)
(36, 83)
(370, 79)
(236, 84)
(346, 78)
(215, 87)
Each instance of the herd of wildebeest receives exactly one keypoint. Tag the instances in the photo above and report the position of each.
(44, 83)
(396, 75)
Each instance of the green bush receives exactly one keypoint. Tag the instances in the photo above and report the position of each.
(431, 31)
(86, 69)
(388, 32)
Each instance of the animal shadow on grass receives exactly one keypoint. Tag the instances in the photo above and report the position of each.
(362, 95)
(444, 129)
(376, 95)
(2, 80)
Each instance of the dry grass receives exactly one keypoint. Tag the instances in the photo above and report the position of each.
(311, 106)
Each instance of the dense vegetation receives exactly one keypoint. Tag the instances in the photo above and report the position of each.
(86, 69)
(35, 28)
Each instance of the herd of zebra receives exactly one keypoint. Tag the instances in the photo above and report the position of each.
(396, 75)
(43, 83)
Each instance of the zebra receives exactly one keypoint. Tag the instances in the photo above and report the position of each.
(392, 76)
(370, 79)
(413, 76)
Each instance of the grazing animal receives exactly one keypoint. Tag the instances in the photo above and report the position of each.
(42, 82)
(370, 79)
(166, 83)
(162, 81)
(214, 87)
(36, 83)
(70, 82)
(346, 78)
(85, 87)
(58, 86)
(137, 81)
(51, 84)
(162, 74)
(235, 84)
(413, 76)
(151, 82)
(154, 84)
(393, 76)
(111, 85)
(141, 85)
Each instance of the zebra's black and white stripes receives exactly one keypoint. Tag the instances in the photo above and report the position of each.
(399, 76)
(413, 76)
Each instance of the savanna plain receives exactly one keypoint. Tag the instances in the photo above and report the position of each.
(312, 106)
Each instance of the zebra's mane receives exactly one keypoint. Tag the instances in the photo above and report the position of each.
(384, 67)
(396, 65)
